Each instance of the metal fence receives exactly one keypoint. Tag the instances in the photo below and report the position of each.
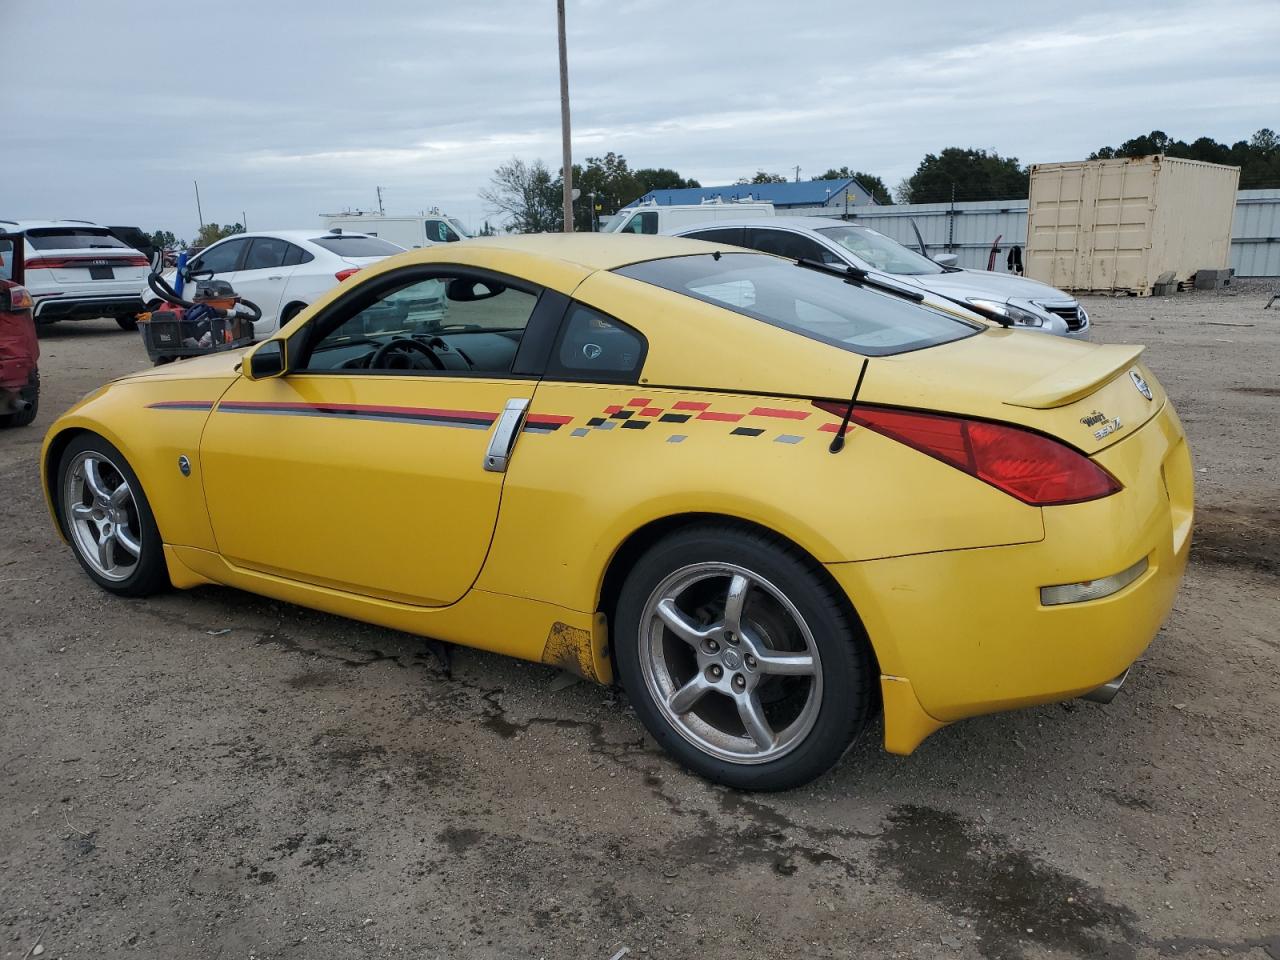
(969, 229)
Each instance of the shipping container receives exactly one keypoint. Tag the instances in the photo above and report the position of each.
(1116, 226)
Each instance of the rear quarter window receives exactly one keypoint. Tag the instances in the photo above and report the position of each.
(809, 302)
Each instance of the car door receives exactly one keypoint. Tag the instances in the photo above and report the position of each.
(367, 466)
(262, 278)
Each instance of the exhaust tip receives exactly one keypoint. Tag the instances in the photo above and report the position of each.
(1107, 692)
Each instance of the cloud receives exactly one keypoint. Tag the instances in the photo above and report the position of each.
(307, 105)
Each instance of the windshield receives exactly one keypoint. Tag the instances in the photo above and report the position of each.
(813, 303)
(457, 225)
(357, 246)
(74, 238)
(879, 251)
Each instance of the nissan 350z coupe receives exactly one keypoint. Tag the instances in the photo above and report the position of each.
(767, 498)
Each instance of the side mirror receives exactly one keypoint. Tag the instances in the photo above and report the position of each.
(946, 259)
(267, 361)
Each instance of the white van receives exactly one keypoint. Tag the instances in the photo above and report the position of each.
(652, 217)
(408, 230)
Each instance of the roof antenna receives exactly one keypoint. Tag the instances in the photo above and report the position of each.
(837, 443)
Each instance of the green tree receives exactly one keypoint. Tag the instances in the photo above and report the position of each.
(869, 182)
(163, 240)
(762, 176)
(526, 194)
(964, 174)
(213, 232)
(661, 178)
(1258, 157)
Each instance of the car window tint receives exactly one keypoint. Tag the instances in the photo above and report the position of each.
(220, 258)
(265, 253)
(357, 246)
(596, 347)
(730, 235)
(74, 238)
(296, 255)
(807, 301)
(783, 243)
(646, 222)
(445, 324)
(440, 232)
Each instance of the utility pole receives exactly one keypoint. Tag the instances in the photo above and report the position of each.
(797, 173)
(381, 212)
(199, 213)
(566, 149)
(244, 221)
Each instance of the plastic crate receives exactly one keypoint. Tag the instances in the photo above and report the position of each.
(167, 335)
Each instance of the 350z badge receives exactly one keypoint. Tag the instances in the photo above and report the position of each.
(1106, 425)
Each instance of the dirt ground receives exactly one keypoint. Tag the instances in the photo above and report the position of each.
(213, 775)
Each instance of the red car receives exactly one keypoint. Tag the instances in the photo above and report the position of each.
(19, 348)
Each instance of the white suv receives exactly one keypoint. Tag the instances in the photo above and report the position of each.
(77, 270)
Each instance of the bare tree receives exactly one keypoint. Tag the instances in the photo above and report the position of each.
(526, 193)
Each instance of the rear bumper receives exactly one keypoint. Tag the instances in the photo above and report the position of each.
(15, 373)
(965, 630)
(50, 309)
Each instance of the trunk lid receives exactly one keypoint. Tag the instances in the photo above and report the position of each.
(1087, 395)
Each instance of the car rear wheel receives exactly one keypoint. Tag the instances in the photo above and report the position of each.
(127, 323)
(31, 395)
(107, 518)
(741, 658)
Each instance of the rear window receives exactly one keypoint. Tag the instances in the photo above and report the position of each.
(74, 238)
(357, 246)
(810, 302)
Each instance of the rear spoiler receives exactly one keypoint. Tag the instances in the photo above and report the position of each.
(1077, 379)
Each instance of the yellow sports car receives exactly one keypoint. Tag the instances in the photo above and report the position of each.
(769, 497)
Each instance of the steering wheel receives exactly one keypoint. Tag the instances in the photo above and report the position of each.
(403, 347)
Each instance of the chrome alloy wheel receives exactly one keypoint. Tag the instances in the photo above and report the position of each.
(730, 662)
(102, 516)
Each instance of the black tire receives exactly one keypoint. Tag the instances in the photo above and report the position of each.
(150, 575)
(847, 668)
(127, 323)
(31, 394)
(289, 312)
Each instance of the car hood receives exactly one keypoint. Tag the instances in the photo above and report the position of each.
(212, 366)
(963, 284)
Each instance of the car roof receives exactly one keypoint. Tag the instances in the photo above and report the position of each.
(805, 223)
(37, 224)
(594, 251)
(315, 233)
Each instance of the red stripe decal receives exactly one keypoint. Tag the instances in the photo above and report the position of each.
(360, 408)
(689, 405)
(639, 402)
(650, 411)
(727, 417)
(548, 418)
(780, 414)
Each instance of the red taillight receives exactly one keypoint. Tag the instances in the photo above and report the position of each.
(343, 274)
(1025, 465)
(18, 298)
(53, 263)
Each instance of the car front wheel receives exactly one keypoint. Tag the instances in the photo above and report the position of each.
(127, 323)
(107, 518)
(741, 658)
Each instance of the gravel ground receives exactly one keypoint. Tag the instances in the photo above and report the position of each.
(214, 775)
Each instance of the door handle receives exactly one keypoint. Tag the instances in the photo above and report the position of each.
(505, 432)
(276, 278)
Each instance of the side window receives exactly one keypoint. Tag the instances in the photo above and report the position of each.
(265, 253)
(440, 232)
(444, 323)
(296, 255)
(646, 222)
(597, 348)
(793, 246)
(730, 235)
(220, 258)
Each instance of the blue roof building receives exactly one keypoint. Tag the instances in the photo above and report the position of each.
(804, 193)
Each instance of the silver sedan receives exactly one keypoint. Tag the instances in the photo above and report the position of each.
(1012, 300)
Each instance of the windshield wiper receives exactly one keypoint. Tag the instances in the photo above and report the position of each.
(858, 277)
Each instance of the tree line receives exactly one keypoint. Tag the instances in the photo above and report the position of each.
(529, 194)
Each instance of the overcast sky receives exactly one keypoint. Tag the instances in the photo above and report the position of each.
(285, 109)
